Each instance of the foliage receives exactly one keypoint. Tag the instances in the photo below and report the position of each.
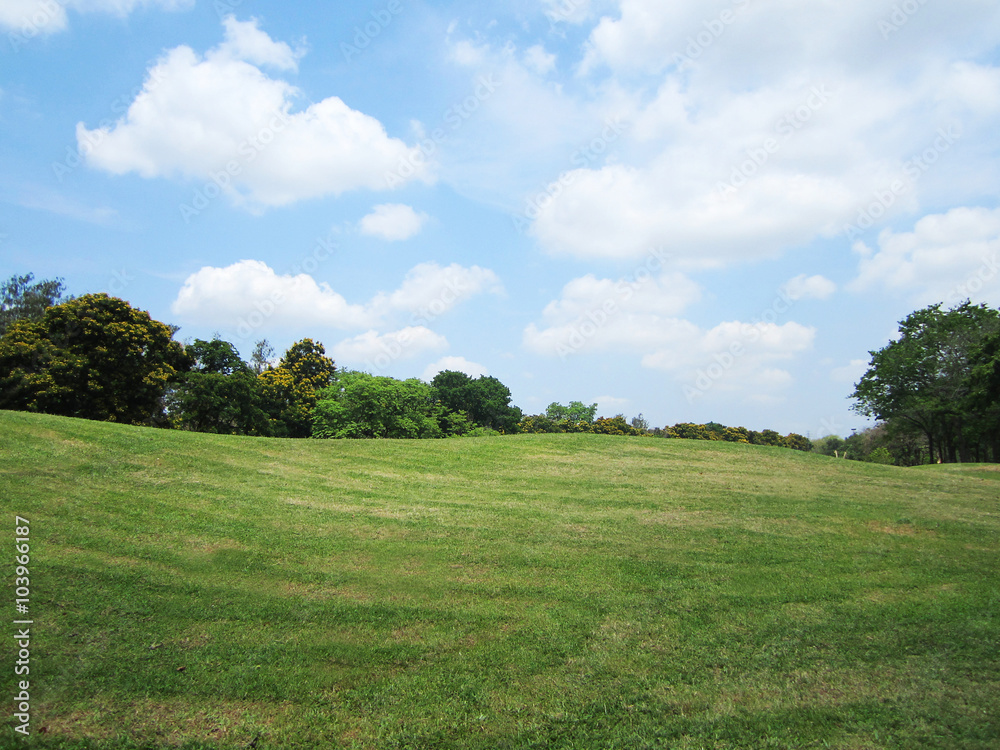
(925, 381)
(20, 299)
(260, 358)
(485, 399)
(359, 405)
(577, 411)
(93, 357)
(289, 391)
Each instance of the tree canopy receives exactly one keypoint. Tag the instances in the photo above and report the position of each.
(94, 357)
(935, 379)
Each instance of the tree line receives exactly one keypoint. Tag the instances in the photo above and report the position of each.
(97, 357)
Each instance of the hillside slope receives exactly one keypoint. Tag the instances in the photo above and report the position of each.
(550, 591)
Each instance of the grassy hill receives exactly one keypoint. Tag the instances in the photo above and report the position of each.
(550, 591)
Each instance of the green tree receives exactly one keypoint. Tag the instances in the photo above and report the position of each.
(220, 394)
(359, 405)
(20, 299)
(289, 391)
(924, 380)
(577, 411)
(485, 399)
(93, 357)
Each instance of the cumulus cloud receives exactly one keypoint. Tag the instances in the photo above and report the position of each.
(455, 364)
(745, 151)
(946, 258)
(220, 118)
(378, 351)
(393, 222)
(809, 287)
(430, 290)
(251, 294)
(597, 315)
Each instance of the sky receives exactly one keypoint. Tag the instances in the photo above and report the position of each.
(694, 211)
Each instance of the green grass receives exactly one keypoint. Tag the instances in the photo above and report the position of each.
(563, 591)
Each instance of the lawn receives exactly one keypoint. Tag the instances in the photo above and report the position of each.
(543, 591)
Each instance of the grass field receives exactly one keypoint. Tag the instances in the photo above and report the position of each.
(556, 591)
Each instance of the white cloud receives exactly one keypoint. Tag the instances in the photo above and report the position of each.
(250, 293)
(747, 150)
(456, 364)
(597, 315)
(379, 350)
(946, 258)
(811, 287)
(221, 119)
(538, 60)
(393, 222)
(245, 41)
(30, 18)
(429, 290)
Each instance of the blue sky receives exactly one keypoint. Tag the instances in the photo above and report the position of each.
(694, 210)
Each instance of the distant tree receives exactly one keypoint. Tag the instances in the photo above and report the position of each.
(798, 442)
(93, 357)
(215, 357)
(639, 424)
(577, 411)
(485, 399)
(20, 299)
(359, 405)
(262, 356)
(289, 391)
(924, 380)
(220, 394)
(832, 445)
(616, 425)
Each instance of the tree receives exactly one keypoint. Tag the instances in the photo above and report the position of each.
(290, 390)
(93, 357)
(220, 394)
(359, 405)
(22, 300)
(924, 380)
(577, 411)
(485, 399)
(215, 357)
(261, 357)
